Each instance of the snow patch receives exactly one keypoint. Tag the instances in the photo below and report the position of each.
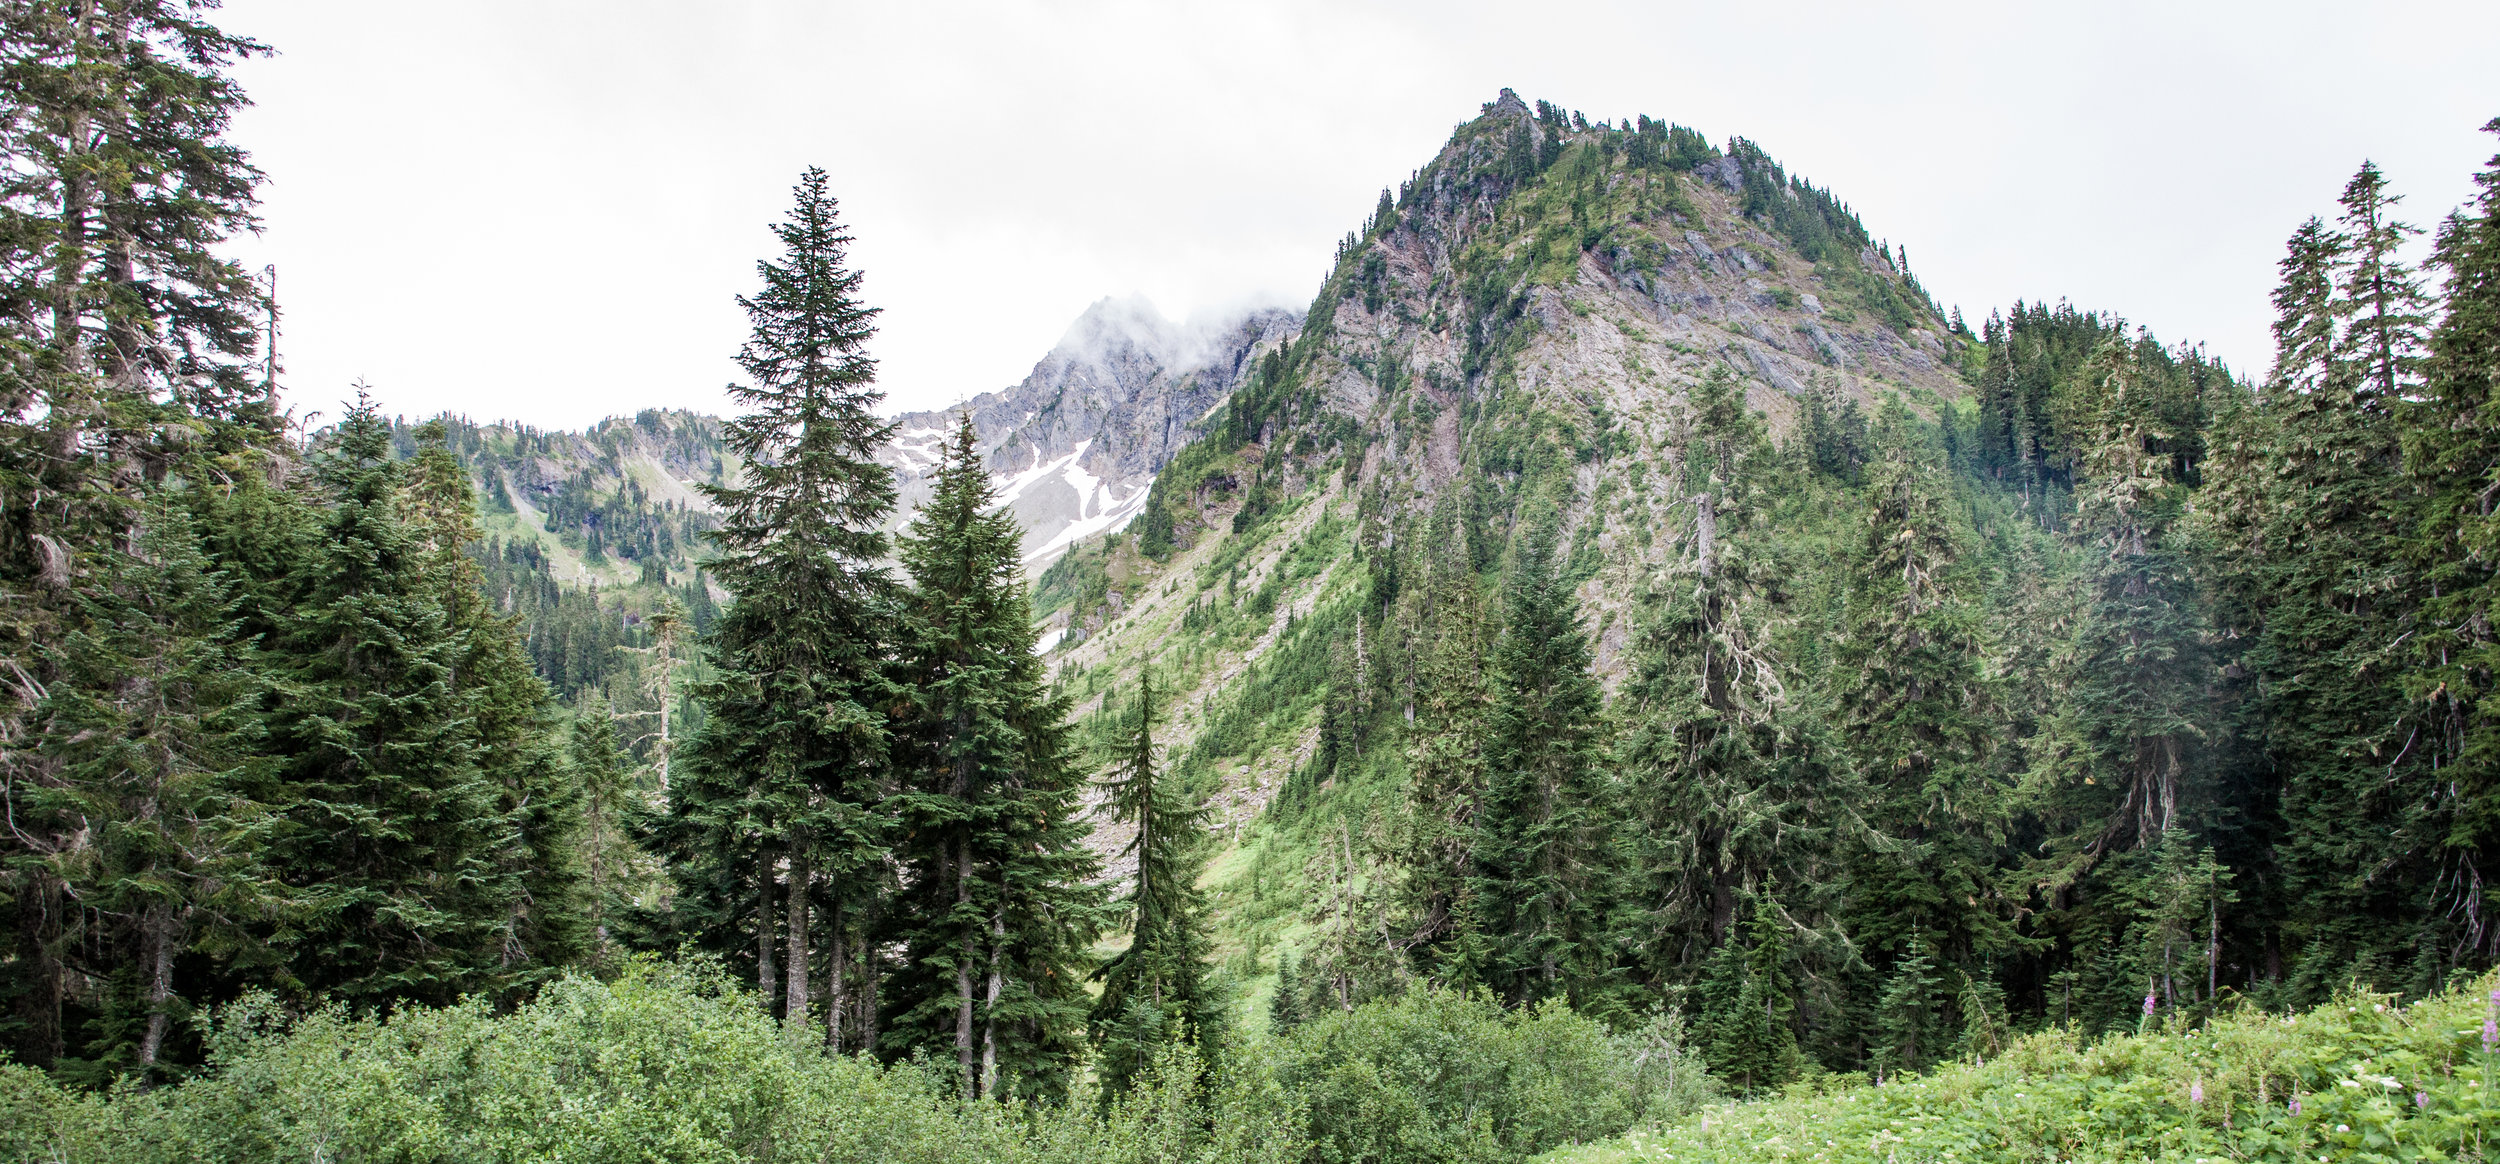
(1116, 513)
(1015, 486)
(1087, 486)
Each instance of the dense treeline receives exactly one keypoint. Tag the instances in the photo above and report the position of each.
(2122, 688)
(262, 728)
(281, 723)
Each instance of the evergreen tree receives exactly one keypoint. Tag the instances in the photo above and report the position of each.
(2449, 453)
(1917, 710)
(1284, 1011)
(509, 711)
(1727, 781)
(394, 845)
(2124, 765)
(1158, 988)
(2112, 772)
(782, 787)
(125, 191)
(1445, 761)
(2359, 813)
(606, 856)
(146, 729)
(125, 336)
(2378, 292)
(1746, 1006)
(1538, 855)
(1909, 1022)
(997, 911)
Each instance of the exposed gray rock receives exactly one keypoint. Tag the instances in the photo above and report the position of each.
(1823, 342)
(1812, 305)
(1726, 172)
(1770, 372)
(1075, 445)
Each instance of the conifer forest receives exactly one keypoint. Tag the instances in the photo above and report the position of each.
(1623, 674)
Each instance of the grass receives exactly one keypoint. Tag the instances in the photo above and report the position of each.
(2360, 1079)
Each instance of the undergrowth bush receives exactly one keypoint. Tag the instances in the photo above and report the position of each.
(1438, 1075)
(664, 1064)
(676, 1063)
(2363, 1079)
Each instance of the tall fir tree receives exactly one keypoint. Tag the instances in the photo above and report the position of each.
(609, 864)
(392, 841)
(125, 337)
(2450, 452)
(2113, 770)
(2359, 818)
(1917, 710)
(1444, 618)
(779, 802)
(1747, 1006)
(1157, 989)
(1540, 866)
(997, 909)
(148, 723)
(1729, 786)
(511, 715)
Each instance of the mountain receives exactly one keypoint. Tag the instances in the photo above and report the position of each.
(1533, 304)
(588, 530)
(1076, 444)
(607, 503)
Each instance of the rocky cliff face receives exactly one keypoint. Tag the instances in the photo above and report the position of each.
(1077, 443)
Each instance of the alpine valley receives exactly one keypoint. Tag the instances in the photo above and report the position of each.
(1623, 674)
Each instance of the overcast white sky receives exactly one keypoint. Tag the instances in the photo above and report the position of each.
(542, 209)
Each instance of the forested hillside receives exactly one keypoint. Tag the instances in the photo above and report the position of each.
(589, 535)
(1549, 627)
(1627, 647)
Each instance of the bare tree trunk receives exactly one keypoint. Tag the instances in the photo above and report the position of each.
(870, 979)
(794, 1004)
(158, 936)
(963, 968)
(39, 970)
(1706, 533)
(835, 997)
(69, 261)
(989, 1008)
(765, 979)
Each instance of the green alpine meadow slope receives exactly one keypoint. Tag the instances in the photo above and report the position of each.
(2364, 1078)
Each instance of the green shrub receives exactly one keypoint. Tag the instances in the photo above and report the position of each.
(1438, 1075)
(663, 1064)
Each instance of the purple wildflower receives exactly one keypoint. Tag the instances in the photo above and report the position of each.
(2150, 1002)
(2295, 1105)
(2491, 1033)
(2421, 1099)
(2196, 1092)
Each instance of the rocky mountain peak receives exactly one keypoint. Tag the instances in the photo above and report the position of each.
(1077, 442)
